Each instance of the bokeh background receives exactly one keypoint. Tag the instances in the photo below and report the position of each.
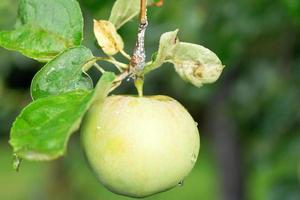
(249, 120)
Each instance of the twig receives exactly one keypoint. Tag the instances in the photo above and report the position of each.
(138, 58)
(143, 13)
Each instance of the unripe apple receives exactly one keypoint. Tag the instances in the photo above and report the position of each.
(139, 146)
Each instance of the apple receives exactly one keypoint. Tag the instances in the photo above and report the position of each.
(139, 146)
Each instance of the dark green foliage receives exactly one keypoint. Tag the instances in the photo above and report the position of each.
(63, 74)
(58, 117)
(36, 36)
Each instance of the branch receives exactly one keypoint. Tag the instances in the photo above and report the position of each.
(138, 58)
(143, 13)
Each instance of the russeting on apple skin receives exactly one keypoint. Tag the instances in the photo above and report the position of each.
(139, 146)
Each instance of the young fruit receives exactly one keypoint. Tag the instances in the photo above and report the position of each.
(139, 146)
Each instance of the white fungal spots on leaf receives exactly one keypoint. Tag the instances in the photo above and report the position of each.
(196, 64)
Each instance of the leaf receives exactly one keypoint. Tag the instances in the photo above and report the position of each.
(63, 74)
(168, 43)
(108, 38)
(104, 86)
(43, 129)
(196, 64)
(124, 10)
(45, 28)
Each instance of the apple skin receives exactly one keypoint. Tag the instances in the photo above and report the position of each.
(139, 146)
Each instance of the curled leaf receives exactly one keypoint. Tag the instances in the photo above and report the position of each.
(108, 38)
(167, 45)
(196, 64)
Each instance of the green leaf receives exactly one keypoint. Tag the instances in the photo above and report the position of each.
(45, 28)
(168, 43)
(196, 64)
(63, 74)
(124, 10)
(104, 86)
(43, 129)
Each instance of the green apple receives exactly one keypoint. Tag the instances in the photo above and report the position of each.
(139, 146)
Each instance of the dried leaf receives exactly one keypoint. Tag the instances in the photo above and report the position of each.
(108, 38)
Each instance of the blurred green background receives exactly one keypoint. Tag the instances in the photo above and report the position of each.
(249, 120)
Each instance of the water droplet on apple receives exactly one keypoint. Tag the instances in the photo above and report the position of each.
(194, 158)
(196, 123)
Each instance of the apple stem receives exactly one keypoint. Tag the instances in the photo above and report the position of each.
(139, 83)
